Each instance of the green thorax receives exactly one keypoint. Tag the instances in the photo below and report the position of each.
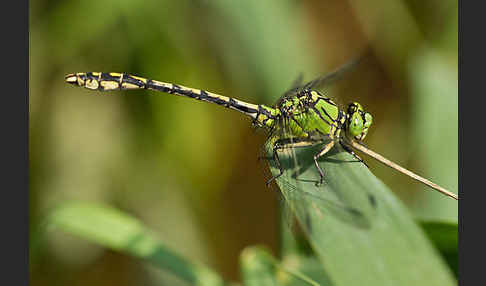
(309, 114)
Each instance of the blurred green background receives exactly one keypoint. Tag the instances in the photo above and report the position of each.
(189, 170)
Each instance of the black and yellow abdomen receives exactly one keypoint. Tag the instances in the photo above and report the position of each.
(262, 115)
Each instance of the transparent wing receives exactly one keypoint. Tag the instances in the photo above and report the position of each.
(312, 204)
(296, 86)
(326, 80)
(339, 73)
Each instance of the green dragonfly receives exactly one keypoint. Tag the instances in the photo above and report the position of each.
(302, 117)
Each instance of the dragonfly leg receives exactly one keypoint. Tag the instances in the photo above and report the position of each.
(286, 143)
(324, 150)
(277, 161)
(347, 149)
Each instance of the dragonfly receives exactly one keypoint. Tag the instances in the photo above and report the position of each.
(302, 117)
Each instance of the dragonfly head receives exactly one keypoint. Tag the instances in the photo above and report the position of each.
(357, 121)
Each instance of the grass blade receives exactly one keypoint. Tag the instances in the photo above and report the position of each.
(259, 267)
(116, 230)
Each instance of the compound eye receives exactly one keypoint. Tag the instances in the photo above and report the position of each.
(356, 124)
(368, 120)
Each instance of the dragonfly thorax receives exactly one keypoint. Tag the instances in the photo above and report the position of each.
(310, 114)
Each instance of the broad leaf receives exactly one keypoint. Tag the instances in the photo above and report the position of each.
(360, 232)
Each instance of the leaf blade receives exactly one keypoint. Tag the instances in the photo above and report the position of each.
(121, 232)
(358, 229)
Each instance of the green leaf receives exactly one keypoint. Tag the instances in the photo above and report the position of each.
(310, 266)
(116, 230)
(259, 267)
(359, 231)
(444, 236)
(296, 251)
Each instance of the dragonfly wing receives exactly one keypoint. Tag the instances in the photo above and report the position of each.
(337, 74)
(322, 81)
(296, 85)
(311, 203)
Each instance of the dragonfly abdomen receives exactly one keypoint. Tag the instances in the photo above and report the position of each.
(101, 81)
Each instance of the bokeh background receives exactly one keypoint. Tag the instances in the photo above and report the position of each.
(189, 170)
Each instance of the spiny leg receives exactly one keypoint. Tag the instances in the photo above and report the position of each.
(263, 150)
(324, 150)
(284, 144)
(347, 149)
